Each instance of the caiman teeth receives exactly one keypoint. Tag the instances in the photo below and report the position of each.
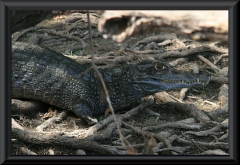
(185, 82)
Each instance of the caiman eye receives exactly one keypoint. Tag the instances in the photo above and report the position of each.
(160, 67)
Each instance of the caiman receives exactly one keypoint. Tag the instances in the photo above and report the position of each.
(42, 74)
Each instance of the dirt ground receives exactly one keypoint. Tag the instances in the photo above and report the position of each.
(190, 121)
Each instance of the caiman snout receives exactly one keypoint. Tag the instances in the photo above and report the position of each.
(161, 76)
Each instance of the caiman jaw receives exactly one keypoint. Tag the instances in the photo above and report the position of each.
(197, 81)
(162, 76)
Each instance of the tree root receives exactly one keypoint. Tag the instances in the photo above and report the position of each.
(211, 144)
(156, 38)
(50, 121)
(25, 106)
(53, 32)
(47, 139)
(212, 131)
(177, 124)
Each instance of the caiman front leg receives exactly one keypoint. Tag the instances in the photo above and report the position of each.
(83, 109)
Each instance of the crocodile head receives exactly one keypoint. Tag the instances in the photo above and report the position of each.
(152, 77)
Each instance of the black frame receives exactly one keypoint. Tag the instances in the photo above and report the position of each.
(5, 71)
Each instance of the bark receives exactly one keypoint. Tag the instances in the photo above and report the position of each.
(197, 25)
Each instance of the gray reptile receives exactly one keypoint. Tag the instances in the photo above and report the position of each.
(42, 74)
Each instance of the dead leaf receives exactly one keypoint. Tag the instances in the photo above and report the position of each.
(131, 151)
(103, 97)
(107, 111)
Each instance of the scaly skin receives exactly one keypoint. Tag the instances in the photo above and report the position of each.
(42, 74)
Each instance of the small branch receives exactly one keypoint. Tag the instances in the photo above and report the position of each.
(53, 32)
(212, 131)
(214, 67)
(187, 52)
(147, 51)
(219, 79)
(166, 42)
(48, 122)
(156, 38)
(203, 101)
(31, 29)
(178, 61)
(191, 110)
(211, 144)
(214, 152)
(26, 151)
(220, 58)
(179, 150)
(179, 124)
(138, 130)
(149, 111)
(16, 125)
(182, 94)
